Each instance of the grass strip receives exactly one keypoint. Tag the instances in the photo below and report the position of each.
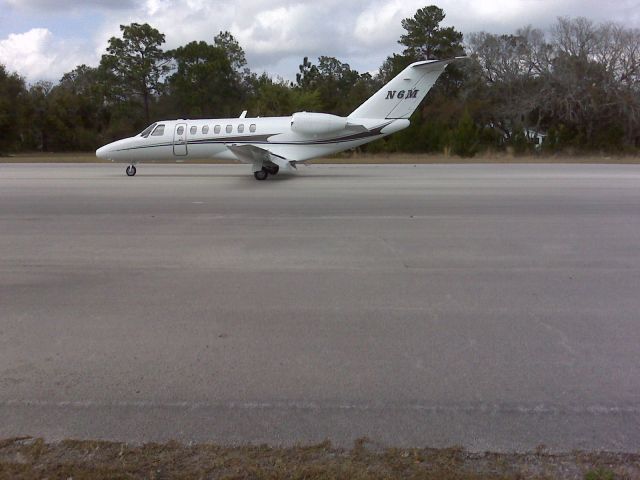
(27, 458)
(356, 158)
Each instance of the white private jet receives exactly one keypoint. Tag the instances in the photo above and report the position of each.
(276, 144)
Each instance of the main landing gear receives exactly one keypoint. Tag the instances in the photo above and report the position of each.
(131, 170)
(261, 174)
(266, 171)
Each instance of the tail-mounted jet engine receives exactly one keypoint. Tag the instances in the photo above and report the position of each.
(307, 123)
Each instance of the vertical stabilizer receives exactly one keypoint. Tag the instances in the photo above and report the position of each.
(401, 96)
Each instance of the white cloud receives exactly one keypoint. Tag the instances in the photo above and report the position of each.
(275, 34)
(274, 30)
(27, 52)
(73, 4)
(38, 55)
(379, 23)
(291, 29)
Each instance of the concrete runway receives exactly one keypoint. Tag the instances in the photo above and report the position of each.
(490, 306)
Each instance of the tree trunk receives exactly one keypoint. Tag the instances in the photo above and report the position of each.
(145, 98)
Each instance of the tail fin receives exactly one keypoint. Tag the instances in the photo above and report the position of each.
(401, 96)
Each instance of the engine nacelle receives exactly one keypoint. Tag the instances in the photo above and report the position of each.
(308, 123)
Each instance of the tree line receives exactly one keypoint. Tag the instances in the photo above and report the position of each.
(576, 88)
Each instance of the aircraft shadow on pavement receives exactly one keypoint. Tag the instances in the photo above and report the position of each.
(248, 178)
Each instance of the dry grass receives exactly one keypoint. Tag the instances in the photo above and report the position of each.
(86, 157)
(26, 458)
(357, 158)
(52, 158)
(413, 159)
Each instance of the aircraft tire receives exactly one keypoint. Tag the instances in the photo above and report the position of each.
(261, 174)
(274, 170)
(131, 171)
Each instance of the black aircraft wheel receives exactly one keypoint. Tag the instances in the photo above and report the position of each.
(261, 174)
(274, 170)
(131, 170)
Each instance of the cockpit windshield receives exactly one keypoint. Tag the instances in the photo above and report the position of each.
(145, 133)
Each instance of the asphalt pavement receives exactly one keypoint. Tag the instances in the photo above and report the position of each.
(495, 307)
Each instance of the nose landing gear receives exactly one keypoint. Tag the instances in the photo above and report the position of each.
(131, 170)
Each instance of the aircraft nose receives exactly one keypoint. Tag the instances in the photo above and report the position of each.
(102, 152)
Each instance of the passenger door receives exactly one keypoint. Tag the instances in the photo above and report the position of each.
(180, 139)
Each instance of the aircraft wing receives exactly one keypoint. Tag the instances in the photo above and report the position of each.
(250, 153)
(259, 156)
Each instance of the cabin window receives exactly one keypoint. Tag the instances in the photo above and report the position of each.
(216, 129)
(205, 129)
(193, 130)
(159, 131)
(180, 130)
(229, 128)
(145, 133)
(252, 127)
(241, 128)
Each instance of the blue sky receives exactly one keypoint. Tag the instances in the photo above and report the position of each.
(42, 39)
